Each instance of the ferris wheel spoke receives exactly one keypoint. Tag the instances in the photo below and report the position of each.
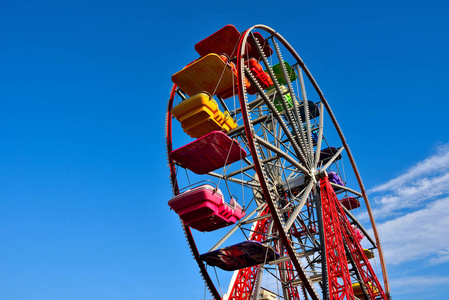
(247, 168)
(320, 137)
(298, 135)
(237, 226)
(299, 152)
(306, 112)
(232, 179)
(345, 188)
(298, 208)
(266, 216)
(293, 113)
(282, 154)
(295, 137)
(241, 128)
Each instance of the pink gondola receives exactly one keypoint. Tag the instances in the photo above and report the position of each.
(208, 153)
(204, 209)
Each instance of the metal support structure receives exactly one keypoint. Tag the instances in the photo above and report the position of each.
(370, 282)
(324, 285)
(342, 227)
(339, 281)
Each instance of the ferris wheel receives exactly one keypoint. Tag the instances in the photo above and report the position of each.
(264, 183)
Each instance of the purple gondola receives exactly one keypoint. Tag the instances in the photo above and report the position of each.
(240, 256)
(334, 178)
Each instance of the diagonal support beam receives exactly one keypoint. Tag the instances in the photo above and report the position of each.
(298, 209)
(320, 136)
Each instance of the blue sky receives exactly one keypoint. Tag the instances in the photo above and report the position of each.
(84, 180)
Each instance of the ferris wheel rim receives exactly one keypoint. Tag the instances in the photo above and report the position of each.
(342, 138)
(241, 76)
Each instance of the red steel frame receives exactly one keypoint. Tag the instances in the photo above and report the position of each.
(244, 283)
(336, 229)
(339, 281)
(369, 278)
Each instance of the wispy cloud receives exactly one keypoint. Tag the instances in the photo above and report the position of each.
(423, 183)
(421, 281)
(418, 235)
(413, 284)
(413, 211)
(437, 163)
(412, 195)
(442, 257)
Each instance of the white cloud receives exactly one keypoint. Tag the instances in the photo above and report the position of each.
(413, 284)
(420, 281)
(423, 183)
(415, 206)
(418, 235)
(435, 164)
(442, 257)
(411, 195)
